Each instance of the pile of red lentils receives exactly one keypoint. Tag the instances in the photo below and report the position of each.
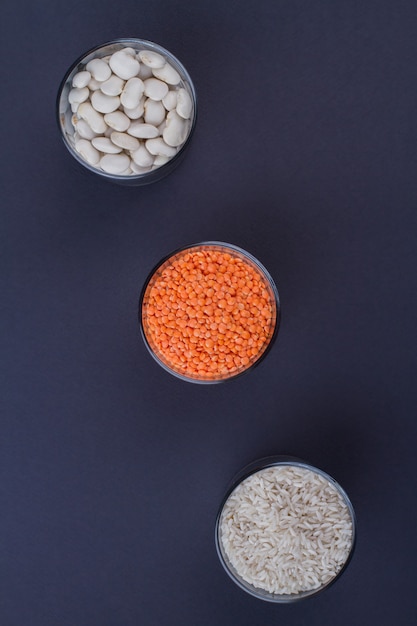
(208, 312)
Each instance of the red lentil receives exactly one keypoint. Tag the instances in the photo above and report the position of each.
(208, 312)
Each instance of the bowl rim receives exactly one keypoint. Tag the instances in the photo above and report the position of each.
(185, 77)
(263, 271)
(243, 474)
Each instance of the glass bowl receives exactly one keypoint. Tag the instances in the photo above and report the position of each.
(68, 115)
(286, 571)
(209, 312)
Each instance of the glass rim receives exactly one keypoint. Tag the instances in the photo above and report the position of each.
(271, 284)
(184, 77)
(251, 469)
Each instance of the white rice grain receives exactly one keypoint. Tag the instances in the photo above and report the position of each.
(286, 529)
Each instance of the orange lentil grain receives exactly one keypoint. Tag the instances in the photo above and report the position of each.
(208, 312)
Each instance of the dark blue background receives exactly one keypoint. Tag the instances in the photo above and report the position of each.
(305, 154)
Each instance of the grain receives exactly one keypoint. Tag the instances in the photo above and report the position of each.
(286, 530)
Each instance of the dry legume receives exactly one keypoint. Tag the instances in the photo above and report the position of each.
(208, 312)
(113, 91)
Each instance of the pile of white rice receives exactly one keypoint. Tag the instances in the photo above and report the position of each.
(286, 529)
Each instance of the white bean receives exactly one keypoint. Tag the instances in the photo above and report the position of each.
(103, 103)
(78, 95)
(125, 141)
(137, 112)
(144, 131)
(145, 72)
(142, 157)
(93, 85)
(170, 100)
(124, 64)
(155, 89)
(94, 119)
(117, 121)
(98, 69)
(175, 131)
(83, 129)
(87, 151)
(184, 104)
(154, 112)
(132, 93)
(113, 86)
(160, 160)
(131, 114)
(81, 79)
(152, 59)
(114, 163)
(104, 144)
(137, 169)
(158, 147)
(168, 74)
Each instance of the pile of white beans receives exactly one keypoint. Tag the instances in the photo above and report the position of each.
(131, 112)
